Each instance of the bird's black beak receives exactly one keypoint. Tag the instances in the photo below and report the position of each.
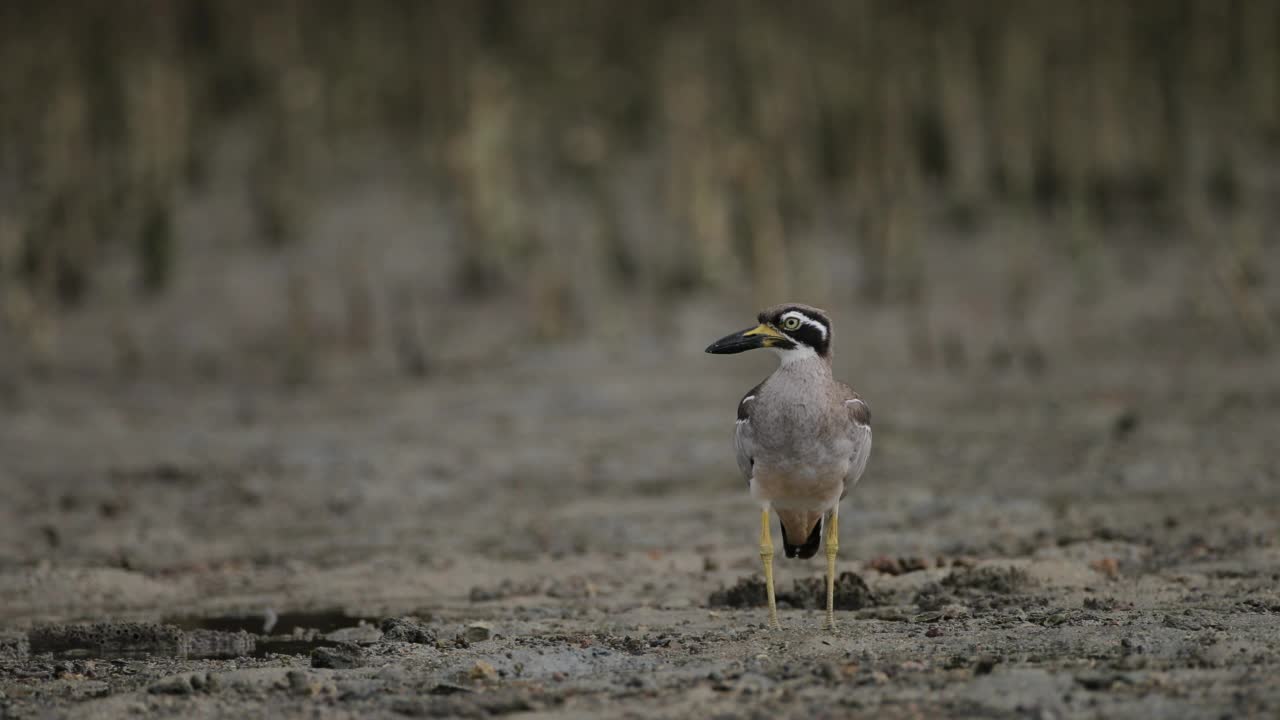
(757, 337)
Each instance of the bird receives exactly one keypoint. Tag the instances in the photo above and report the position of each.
(802, 438)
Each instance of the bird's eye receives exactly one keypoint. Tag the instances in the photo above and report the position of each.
(791, 323)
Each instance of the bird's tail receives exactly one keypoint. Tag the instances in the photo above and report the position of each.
(800, 524)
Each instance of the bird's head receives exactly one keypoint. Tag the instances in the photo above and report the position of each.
(792, 330)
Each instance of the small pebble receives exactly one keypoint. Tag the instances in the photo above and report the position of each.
(340, 657)
(299, 683)
(483, 671)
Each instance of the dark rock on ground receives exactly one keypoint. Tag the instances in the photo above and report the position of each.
(343, 656)
(477, 632)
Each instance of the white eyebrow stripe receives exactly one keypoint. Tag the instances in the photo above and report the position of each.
(806, 320)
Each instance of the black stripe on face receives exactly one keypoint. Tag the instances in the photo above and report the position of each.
(811, 336)
(814, 329)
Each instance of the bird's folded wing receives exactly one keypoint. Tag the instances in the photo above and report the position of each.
(860, 429)
(744, 435)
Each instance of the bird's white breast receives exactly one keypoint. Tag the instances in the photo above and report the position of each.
(802, 443)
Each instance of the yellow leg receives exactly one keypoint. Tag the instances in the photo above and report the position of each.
(766, 556)
(833, 546)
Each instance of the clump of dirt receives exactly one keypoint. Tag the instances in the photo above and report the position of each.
(979, 589)
(574, 587)
(749, 592)
(851, 593)
(214, 644)
(14, 647)
(407, 629)
(1000, 580)
(628, 644)
(899, 566)
(932, 597)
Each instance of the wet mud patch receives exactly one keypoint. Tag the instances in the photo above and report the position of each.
(1035, 483)
(213, 637)
(303, 633)
(324, 621)
(139, 640)
(851, 593)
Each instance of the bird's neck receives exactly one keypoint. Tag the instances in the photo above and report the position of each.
(805, 361)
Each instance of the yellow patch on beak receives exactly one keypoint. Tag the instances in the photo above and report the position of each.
(771, 335)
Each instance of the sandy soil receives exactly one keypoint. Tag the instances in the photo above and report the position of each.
(1084, 527)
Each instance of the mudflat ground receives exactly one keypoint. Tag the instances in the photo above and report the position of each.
(1078, 524)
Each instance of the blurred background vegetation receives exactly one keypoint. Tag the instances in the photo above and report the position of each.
(564, 152)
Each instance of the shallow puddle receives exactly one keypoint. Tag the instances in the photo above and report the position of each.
(198, 637)
(322, 621)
